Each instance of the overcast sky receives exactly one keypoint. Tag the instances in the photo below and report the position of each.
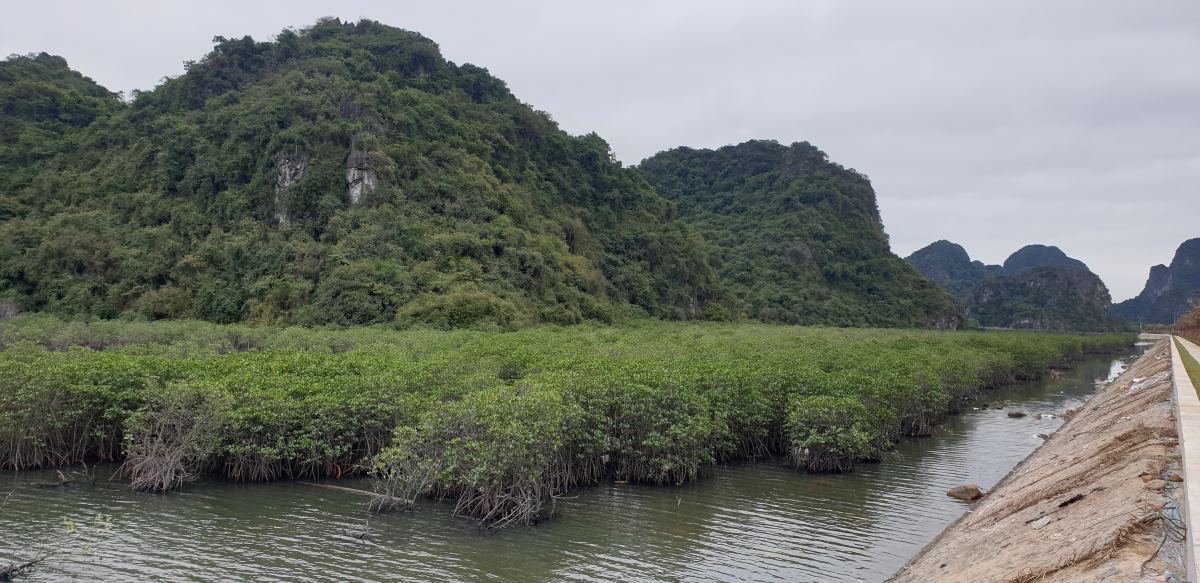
(992, 124)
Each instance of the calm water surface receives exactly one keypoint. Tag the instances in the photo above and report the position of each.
(749, 522)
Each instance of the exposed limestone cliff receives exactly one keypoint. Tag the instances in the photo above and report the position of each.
(361, 178)
(1169, 289)
(289, 169)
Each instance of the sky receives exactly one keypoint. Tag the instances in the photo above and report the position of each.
(993, 124)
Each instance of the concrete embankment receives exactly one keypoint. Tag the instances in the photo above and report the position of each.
(1187, 403)
(1099, 501)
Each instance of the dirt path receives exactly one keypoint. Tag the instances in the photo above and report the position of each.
(1097, 502)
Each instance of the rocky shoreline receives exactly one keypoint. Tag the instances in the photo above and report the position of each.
(1099, 501)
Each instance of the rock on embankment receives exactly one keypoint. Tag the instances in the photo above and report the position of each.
(1092, 504)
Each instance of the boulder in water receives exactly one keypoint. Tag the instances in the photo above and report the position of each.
(966, 492)
(1016, 414)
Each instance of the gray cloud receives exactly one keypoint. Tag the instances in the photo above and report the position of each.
(995, 124)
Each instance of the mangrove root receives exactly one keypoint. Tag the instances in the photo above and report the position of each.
(11, 570)
(168, 442)
(378, 500)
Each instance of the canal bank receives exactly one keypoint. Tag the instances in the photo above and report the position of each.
(1102, 500)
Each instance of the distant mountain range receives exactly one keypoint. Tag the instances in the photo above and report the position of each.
(1169, 289)
(1038, 287)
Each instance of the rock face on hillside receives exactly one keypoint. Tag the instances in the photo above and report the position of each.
(289, 170)
(796, 238)
(1169, 290)
(361, 178)
(1039, 288)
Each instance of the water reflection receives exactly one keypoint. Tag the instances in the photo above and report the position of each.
(750, 522)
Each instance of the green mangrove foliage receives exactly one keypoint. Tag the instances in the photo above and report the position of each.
(502, 423)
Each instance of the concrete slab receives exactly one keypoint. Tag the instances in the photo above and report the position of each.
(1188, 419)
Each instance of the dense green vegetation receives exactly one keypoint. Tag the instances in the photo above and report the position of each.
(1045, 298)
(796, 238)
(344, 174)
(500, 422)
(347, 174)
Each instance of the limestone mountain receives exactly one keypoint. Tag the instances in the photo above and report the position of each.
(1043, 298)
(347, 173)
(1038, 287)
(44, 108)
(1169, 290)
(342, 174)
(796, 238)
(949, 265)
(1035, 256)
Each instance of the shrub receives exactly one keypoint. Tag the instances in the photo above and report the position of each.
(461, 308)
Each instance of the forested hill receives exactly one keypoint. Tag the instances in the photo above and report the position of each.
(346, 173)
(795, 237)
(343, 174)
(949, 265)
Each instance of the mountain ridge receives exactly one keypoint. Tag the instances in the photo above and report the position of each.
(1037, 287)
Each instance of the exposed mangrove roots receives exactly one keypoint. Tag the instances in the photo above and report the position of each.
(12, 569)
(168, 442)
